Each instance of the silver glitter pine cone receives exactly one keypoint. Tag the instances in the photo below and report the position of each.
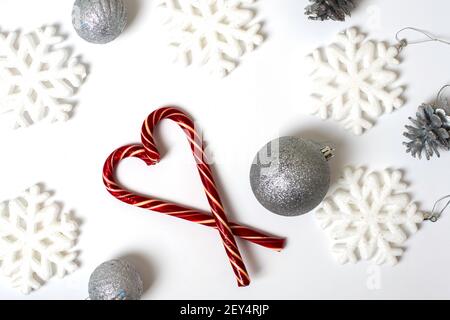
(291, 176)
(429, 133)
(329, 9)
(115, 280)
(99, 21)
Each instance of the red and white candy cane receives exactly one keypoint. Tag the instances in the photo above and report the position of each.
(148, 152)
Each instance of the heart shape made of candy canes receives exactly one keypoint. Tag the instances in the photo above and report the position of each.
(148, 152)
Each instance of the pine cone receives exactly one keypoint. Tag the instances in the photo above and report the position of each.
(431, 132)
(329, 9)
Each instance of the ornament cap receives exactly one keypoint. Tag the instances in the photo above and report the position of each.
(402, 44)
(430, 217)
(327, 152)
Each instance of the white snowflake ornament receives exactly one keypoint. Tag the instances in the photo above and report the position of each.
(37, 76)
(369, 216)
(36, 240)
(213, 33)
(353, 82)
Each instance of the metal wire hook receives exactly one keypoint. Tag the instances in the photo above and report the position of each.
(403, 42)
(434, 216)
(438, 98)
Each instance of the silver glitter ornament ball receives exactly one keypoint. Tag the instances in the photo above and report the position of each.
(115, 280)
(290, 176)
(99, 21)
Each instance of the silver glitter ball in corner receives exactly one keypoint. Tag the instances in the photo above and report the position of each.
(290, 176)
(115, 280)
(99, 21)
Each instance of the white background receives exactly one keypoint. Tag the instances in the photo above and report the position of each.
(264, 98)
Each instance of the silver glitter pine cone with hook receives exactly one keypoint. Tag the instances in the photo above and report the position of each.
(430, 131)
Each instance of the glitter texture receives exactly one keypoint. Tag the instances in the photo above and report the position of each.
(115, 280)
(290, 176)
(99, 21)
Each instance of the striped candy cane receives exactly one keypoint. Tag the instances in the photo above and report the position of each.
(218, 220)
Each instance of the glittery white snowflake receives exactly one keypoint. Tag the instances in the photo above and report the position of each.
(37, 76)
(352, 82)
(214, 33)
(36, 240)
(369, 216)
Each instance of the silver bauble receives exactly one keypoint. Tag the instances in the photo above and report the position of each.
(99, 21)
(290, 176)
(115, 280)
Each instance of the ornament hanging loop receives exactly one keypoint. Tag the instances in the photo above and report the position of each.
(439, 95)
(403, 42)
(435, 215)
